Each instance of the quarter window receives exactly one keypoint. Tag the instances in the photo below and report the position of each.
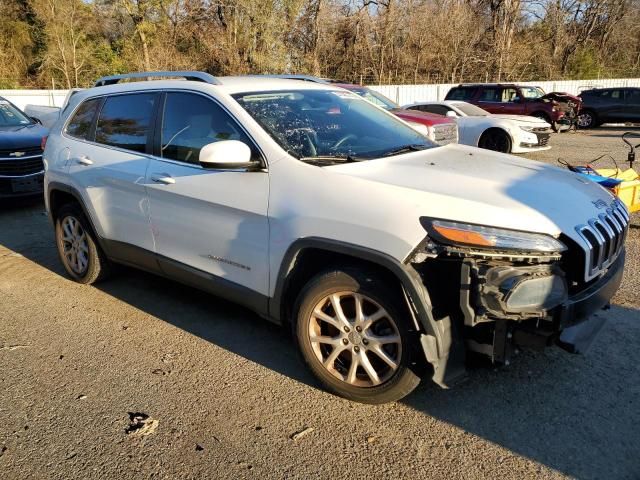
(190, 122)
(125, 121)
(80, 124)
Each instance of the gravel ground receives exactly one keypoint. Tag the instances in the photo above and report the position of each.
(209, 390)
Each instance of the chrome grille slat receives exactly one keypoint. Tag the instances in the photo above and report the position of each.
(604, 238)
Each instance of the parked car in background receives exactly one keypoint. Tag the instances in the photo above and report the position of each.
(388, 256)
(436, 128)
(609, 105)
(48, 115)
(21, 166)
(556, 108)
(499, 132)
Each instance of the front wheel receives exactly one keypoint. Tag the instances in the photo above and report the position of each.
(587, 119)
(355, 336)
(496, 140)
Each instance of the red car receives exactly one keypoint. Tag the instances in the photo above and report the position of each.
(438, 128)
(556, 108)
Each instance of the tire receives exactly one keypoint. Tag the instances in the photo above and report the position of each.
(587, 119)
(77, 247)
(496, 140)
(372, 379)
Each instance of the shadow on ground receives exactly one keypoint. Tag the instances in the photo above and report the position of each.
(575, 414)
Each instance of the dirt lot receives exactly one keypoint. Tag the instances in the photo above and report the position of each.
(225, 394)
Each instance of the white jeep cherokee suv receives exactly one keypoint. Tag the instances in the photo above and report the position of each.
(389, 257)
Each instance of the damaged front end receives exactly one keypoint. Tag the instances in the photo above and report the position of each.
(569, 105)
(500, 298)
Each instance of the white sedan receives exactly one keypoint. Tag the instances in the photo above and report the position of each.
(502, 133)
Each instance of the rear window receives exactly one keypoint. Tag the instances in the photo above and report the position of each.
(437, 109)
(80, 124)
(461, 93)
(125, 121)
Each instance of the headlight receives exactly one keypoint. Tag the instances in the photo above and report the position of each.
(463, 234)
(527, 129)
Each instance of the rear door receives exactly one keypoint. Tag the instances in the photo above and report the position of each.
(490, 98)
(108, 162)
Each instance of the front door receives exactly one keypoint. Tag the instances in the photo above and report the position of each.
(632, 109)
(213, 221)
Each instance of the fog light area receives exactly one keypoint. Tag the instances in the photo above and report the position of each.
(540, 293)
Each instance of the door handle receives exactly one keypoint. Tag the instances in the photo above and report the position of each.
(84, 160)
(163, 178)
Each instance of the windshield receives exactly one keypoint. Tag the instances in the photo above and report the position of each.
(10, 116)
(471, 110)
(326, 123)
(532, 92)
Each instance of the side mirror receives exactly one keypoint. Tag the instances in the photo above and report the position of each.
(226, 154)
(517, 99)
(37, 120)
(452, 114)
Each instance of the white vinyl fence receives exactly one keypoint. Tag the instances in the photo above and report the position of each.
(402, 94)
(48, 98)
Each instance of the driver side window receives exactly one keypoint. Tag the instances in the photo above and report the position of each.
(190, 122)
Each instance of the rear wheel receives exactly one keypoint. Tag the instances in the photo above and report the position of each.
(355, 336)
(496, 140)
(78, 250)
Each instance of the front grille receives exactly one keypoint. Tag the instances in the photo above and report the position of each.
(543, 139)
(16, 168)
(445, 133)
(604, 236)
(21, 152)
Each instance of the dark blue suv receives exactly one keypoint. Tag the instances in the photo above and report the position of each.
(21, 166)
(609, 105)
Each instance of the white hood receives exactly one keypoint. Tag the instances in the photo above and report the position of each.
(472, 185)
(523, 119)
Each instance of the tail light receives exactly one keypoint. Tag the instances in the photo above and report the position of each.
(43, 142)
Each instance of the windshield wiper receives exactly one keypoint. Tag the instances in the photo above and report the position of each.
(414, 147)
(329, 159)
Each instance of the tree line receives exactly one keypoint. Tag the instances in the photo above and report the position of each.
(69, 43)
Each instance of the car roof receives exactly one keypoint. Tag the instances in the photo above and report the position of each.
(495, 85)
(229, 85)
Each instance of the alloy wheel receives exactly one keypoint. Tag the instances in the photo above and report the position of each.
(355, 339)
(75, 245)
(585, 120)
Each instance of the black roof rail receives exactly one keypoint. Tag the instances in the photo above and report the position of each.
(187, 75)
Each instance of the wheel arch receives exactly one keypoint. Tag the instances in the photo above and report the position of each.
(309, 256)
(59, 194)
(494, 129)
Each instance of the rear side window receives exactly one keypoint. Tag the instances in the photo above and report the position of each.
(437, 109)
(125, 121)
(633, 96)
(80, 124)
(490, 95)
(190, 122)
(460, 93)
